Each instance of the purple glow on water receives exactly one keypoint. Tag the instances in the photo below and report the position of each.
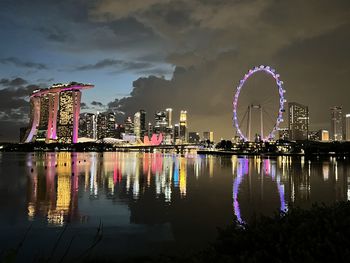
(242, 170)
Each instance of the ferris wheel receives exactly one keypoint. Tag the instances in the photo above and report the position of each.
(239, 121)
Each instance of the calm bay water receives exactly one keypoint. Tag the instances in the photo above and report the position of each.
(148, 203)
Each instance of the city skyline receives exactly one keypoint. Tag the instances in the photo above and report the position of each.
(183, 55)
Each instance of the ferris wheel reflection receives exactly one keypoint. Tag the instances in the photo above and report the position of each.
(267, 168)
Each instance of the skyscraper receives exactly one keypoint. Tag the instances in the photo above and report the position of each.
(142, 123)
(129, 126)
(150, 130)
(169, 117)
(183, 126)
(102, 125)
(68, 116)
(336, 123)
(137, 125)
(55, 113)
(88, 126)
(209, 135)
(111, 125)
(347, 127)
(161, 123)
(298, 121)
(193, 137)
(176, 133)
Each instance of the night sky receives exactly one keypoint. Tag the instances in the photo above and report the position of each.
(155, 54)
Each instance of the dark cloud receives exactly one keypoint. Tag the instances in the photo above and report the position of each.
(120, 65)
(23, 64)
(14, 106)
(211, 43)
(130, 29)
(54, 33)
(219, 42)
(13, 82)
(97, 103)
(83, 106)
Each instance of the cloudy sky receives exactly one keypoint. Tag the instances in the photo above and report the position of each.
(191, 54)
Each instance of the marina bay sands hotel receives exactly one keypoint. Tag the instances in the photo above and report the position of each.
(54, 113)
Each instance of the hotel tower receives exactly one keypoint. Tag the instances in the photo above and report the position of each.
(54, 113)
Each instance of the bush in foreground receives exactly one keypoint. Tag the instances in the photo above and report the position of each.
(320, 234)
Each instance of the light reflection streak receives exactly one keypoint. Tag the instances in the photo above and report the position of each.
(243, 170)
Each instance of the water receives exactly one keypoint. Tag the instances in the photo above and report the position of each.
(148, 203)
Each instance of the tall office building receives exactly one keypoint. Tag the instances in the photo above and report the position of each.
(137, 125)
(111, 125)
(120, 131)
(209, 135)
(193, 137)
(160, 122)
(150, 130)
(54, 114)
(183, 126)
(102, 125)
(298, 121)
(336, 123)
(129, 126)
(169, 117)
(88, 126)
(142, 123)
(347, 127)
(176, 133)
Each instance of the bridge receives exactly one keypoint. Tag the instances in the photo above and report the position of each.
(150, 148)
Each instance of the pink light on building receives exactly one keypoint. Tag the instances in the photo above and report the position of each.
(34, 118)
(155, 140)
(63, 113)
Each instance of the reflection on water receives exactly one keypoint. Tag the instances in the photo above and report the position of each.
(185, 196)
(264, 168)
(259, 185)
(54, 179)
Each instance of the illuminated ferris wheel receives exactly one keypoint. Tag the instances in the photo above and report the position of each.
(242, 117)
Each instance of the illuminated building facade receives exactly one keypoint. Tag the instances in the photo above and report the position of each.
(169, 117)
(298, 121)
(324, 135)
(193, 137)
(88, 125)
(142, 123)
(176, 133)
(283, 133)
(208, 135)
(183, 126)
(161, 123)
(111, 125)
(102, 125)
(314, 135)
(137, 125)
(54, 113)
(347, 127)
(129, 126)
(67, 126)
(336, 123)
